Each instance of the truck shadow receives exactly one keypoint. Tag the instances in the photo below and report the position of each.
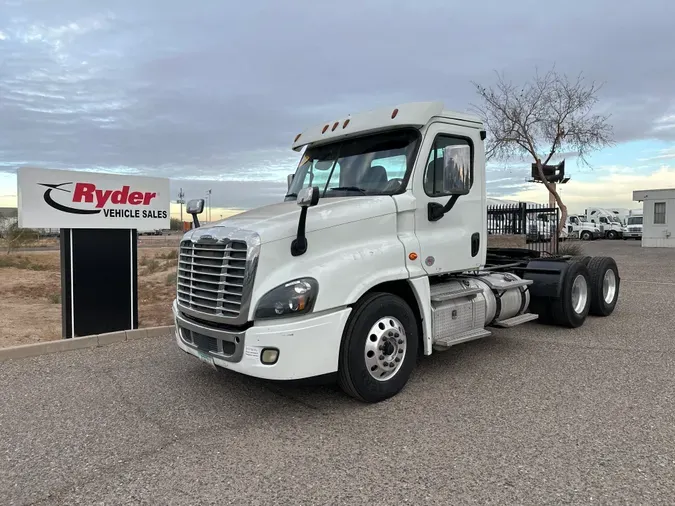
(453, 366)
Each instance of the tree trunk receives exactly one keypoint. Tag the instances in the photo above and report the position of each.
(553, 191)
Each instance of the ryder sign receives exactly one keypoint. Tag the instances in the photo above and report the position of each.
(50, 198)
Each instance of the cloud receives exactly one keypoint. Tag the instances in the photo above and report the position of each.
(217, 91)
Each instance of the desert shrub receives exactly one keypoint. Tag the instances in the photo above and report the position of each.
(16, 237)
(573, 248)
(20, 262)
(151, 265)
(170, 255)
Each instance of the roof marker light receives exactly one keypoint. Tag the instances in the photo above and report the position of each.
(297, 137)
(393, 114)
(335, 125)
(346, 123)
(324, 129)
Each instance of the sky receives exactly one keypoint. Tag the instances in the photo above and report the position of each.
(212, 93)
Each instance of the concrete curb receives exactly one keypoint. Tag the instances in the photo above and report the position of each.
(79, 343)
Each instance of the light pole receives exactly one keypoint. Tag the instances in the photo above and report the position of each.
(181, 201)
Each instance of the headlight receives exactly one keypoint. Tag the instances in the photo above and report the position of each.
(292, 298)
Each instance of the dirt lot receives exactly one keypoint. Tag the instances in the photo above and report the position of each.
(30, 308)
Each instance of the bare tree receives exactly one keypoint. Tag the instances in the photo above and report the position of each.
(548, 115)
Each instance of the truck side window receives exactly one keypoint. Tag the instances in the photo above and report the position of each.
(449, 166)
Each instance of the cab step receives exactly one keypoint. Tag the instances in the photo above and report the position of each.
(447, 342)
(516, 320)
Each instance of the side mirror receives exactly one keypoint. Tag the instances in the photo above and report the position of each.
(289, 180)
(195, 207)
(308, 197)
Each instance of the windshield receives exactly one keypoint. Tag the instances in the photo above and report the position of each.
(582, 218)
(635, 220)
(372, 165)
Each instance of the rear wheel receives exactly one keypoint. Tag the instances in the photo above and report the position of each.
(581, 258)
(572, 307)
(379, 348)
(604, 285)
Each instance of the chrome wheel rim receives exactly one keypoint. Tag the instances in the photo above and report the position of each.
(609, 286)
(385, 349)
(579, 294)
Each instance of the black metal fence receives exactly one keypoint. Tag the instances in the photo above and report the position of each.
(537, 223)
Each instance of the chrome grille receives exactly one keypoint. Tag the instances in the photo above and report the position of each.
(211, 277)
(634, 229)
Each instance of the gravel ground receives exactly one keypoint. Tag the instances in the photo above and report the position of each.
(531, 415)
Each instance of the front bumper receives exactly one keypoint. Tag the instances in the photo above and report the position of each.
(632, 235)
(307, 347)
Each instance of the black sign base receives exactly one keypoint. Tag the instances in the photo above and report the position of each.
(99, 281)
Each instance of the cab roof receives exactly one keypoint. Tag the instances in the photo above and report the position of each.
(413, 114)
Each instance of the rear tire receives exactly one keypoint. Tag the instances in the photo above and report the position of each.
(380, 323)
(581, 258)
(572, 307)
(605, 283)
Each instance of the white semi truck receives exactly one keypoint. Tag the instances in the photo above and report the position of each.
(608, 222)
(633, 228)
(376, 257)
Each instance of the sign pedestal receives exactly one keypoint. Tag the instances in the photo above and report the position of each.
(99, 287)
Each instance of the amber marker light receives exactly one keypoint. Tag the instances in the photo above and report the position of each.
(412, 256)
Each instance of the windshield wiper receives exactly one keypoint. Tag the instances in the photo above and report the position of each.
(349, 189)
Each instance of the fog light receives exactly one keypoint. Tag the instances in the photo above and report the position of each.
(269, 356)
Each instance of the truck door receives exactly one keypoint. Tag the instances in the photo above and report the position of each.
(450, 158)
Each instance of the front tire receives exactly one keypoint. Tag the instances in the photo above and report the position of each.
(381, 329)
(585, 235)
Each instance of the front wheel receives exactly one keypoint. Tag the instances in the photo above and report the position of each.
(379, 348)
(611, 235)
(585, 235)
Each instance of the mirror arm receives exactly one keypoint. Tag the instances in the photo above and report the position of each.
(195, 220)
(436, 211)
(299, 244)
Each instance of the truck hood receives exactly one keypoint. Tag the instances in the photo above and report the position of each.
(280, 221)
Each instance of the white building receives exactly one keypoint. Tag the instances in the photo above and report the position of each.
(658, 211)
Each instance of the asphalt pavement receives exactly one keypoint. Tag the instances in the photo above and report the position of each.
(531, 415)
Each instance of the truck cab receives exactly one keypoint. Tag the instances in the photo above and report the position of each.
(633, 227)
(376, 255)
(608, 222)
(577, 226)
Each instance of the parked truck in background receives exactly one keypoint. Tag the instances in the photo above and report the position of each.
(608, 222)
(633, 228)
(577, 227)
(376, 257)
